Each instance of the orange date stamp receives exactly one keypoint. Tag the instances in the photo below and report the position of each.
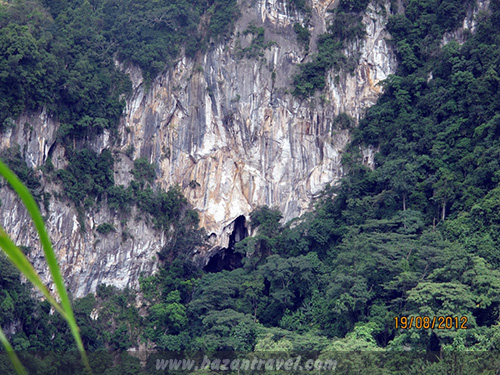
(426, 322)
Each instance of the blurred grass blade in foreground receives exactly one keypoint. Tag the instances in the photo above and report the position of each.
(20, 370)
(21, 262)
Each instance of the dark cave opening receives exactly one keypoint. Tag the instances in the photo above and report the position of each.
(227, 258)
(239, 232)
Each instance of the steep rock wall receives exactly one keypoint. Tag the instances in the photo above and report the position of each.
(87, 258)
(226, 130)
(223, 127)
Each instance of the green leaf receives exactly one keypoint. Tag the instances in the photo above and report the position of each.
(20, 370)
(9, 247)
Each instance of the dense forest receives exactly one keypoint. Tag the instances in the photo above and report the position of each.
(416, 236)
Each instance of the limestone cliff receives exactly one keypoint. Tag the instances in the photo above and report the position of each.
(222, 126)
(229, 125)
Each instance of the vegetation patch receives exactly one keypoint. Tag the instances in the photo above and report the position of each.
(65, 51)
(416, 236)
(87, 177)
(303, 35)
(143, 171)
(299, 5)
(345, 27)
(105, 228)
(257, 45)
(13, 158)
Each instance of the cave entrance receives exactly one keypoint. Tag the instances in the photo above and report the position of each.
(227, 258)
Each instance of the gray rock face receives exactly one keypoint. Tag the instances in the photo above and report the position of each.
(468, 25)
(229, 124)
(225, 129)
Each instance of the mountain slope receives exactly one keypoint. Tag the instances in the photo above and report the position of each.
(221, 124)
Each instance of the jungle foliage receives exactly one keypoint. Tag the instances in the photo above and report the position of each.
(62, 55)
(257, 46)
(88, 181)
(345, 27)
(14, 159)
(417, 235)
